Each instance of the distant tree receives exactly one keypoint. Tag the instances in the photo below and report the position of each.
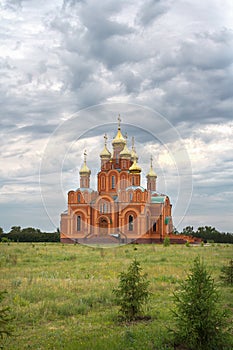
(200, 322)
(188, 231)
(175, 231)
(209, 233)
(132, 292)
(15, 229)
(30, 234)
(1, 231)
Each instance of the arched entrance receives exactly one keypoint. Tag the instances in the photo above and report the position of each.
(103, 226)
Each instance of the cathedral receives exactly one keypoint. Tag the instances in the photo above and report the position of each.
(120, 210)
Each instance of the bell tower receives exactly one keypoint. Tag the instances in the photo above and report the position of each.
(85, 173)
(151, 178)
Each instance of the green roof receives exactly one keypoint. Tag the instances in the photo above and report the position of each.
(158, 199)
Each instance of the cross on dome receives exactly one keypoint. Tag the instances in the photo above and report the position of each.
(119, 121)
(105, 139)
(85, 156)
(133, 143)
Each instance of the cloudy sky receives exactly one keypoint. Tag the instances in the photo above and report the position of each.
(68, 68)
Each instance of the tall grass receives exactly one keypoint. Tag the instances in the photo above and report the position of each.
(61, 295)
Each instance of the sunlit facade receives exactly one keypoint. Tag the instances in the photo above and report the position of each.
(120, 210)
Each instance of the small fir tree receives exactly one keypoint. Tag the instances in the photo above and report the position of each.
(227, 273)
(132, 292)
(5, 317)
(166, 242)
(200, 323)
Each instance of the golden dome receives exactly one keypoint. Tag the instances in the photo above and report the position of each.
(105, 153)
(119, 139)
(135, 168)
(151, 173)
(85, 170)
(125, 153)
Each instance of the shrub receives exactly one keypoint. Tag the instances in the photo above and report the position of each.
(5, 317)
(166, 242)
(227, 273)
(132, 292)
(198, 317)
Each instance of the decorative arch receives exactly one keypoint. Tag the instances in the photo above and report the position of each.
(139, 195)
(85, 196)
(104, 204)
(124, 180)
(79, 220)
(131, 220)
(71, 196)
(113, 179)
(130, 194)
(102, 181)
(103, 222)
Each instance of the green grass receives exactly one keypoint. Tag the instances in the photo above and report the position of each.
(61, 295)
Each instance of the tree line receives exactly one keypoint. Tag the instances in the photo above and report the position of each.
(29, 234)
(208, 234)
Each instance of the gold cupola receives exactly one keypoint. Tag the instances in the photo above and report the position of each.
(119, 139)
(125, 153)
(135, 168)
(151, 177)
(151, 172)
(85, 170)
(105, 154)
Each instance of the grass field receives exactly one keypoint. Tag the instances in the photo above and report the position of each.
(61, 295)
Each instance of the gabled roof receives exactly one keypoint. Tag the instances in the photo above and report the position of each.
(134, 188)
(83, 189)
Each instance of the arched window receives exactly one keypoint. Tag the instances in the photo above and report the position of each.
(113, 181)
(130, 222)
(78, 223)
(131, 196)
(102, 183)
(79, 198)
(133, 180)
(123, 182)
(154, 227)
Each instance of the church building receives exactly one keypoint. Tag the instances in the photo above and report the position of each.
(120, 210)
